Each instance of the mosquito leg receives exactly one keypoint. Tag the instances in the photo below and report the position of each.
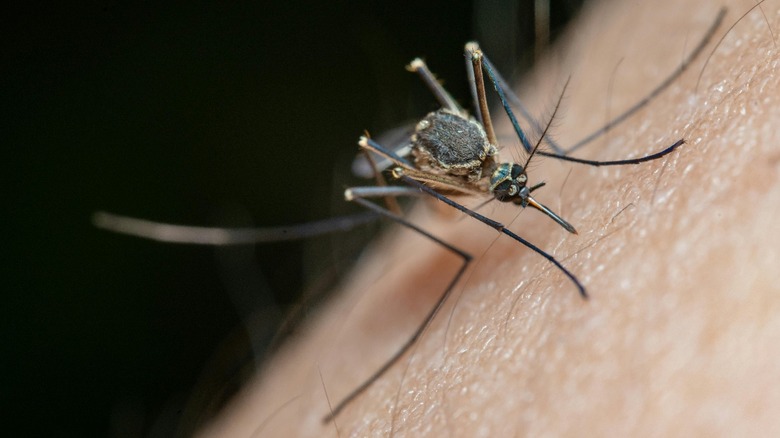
(477, 59)
(657, 90)
(390, 201)
(479, 86)
(470, 46)
(354, 196)
(524, 140)
(353, 193)
(215, 236)
(398, 173)
(445, 99)
(499, 81)
(515, 101)
(644, 159)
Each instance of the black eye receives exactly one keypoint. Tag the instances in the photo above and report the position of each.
(517, 170)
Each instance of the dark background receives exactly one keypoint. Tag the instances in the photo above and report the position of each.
(198, 114)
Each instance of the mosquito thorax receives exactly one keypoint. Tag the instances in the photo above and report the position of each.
(508, 183)
(451, 142)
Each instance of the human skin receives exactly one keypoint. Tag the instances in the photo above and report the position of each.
(680, 256)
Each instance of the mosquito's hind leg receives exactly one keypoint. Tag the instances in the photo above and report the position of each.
(658, 89)
(479, 61)
(220, 236)
(510, 98)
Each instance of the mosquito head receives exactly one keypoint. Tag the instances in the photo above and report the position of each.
(508, 184)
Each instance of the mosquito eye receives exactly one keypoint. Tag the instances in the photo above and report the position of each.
(505, 191)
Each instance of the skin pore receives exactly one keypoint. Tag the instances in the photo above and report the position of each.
(681, 333)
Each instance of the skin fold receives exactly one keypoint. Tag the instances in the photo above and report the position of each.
(680, 257)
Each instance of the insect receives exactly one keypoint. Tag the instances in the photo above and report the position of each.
(453, 153)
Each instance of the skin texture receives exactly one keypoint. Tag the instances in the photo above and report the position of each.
(682, 332)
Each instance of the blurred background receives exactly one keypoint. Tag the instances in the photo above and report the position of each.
(199, 114)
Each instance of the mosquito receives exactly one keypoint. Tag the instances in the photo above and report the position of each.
(452, 153)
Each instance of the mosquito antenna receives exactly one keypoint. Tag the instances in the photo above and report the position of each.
(547, 126)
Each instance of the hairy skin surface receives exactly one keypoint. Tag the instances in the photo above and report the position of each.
(680, 256)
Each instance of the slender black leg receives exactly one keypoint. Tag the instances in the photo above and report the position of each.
(466, 259)
(217, 236)
(510, 97)
(527, 145)
(445, 99)
(497, 226)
